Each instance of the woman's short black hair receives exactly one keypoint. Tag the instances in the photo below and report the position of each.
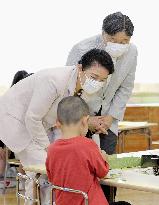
(21, 74)
(97, 56)
(117, 22)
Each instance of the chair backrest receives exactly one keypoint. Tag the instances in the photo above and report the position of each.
(36, 189)
(55, 187)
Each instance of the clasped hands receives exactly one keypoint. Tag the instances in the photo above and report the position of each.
(100, 124)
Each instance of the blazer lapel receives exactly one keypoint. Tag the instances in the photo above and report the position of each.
(67, 90)
(71, 86)
(121, 69)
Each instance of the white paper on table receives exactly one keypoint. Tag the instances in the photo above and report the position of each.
(138, 178)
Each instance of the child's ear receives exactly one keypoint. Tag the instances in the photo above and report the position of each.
(58, 124)
(84, 125)
(85, 120)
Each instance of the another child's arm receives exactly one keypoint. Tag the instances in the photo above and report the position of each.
(2, 154)
(2, 160)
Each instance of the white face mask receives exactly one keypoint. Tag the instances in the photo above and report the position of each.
(116, 50)
(91, 86)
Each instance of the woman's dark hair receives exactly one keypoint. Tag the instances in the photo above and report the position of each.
(97, 56)
(117, 22)
(21, 74)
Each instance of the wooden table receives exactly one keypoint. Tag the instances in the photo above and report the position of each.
(127, 128)
(110, 182)
(113, 183)
(134, 185)
(41, 169)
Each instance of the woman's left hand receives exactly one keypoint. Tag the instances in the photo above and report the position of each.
(106, 123)
(107, 120)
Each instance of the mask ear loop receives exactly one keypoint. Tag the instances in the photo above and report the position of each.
(124, 24)
(80, 77)
(79, 93)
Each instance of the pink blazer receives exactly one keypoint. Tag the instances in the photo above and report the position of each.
(28, 109)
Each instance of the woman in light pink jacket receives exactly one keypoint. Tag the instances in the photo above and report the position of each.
(28, 109)
(21, 74)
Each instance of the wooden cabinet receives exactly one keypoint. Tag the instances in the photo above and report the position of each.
(149, 113)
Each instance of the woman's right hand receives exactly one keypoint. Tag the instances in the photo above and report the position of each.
(96, 125)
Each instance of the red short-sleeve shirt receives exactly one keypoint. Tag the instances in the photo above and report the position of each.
(76, 163)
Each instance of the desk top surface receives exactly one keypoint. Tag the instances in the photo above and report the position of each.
(40, 168)
(142, 183)
(128, 125)
(136, 185)
(142, 105)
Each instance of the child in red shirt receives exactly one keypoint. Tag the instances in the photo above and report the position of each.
(75, 161)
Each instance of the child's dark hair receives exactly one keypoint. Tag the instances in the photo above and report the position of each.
(97, 56)
(71, 109)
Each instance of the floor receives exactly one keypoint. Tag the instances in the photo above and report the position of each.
(133, 197)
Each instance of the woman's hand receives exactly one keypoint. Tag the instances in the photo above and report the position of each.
(95, 124)
(100, 124)
(107, 121)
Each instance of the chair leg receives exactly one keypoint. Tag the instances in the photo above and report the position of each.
(17, 190)
(38, 194)
(5, 178)
(36, 190)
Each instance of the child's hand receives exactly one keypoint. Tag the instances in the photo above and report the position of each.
(104, 155)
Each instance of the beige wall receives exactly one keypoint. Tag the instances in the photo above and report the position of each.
(146, 88)
(2, 90)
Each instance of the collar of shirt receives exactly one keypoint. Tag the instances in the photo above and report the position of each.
(72, 81)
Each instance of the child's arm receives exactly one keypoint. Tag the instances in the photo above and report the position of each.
(2, 160)
(104, 155)
(99, 161)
